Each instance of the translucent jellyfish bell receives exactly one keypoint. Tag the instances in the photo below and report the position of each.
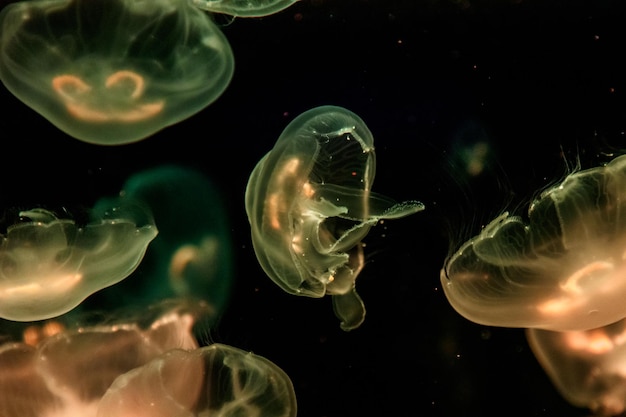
(587, 367)
(244, 8)
(309, 203)
(215, 380)
(68, 373)
(49, 265)
(113, 71)
(562, 270)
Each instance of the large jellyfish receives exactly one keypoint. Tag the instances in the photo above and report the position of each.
(67, 373)
(49, 265)
(113, 71)
(192, 254)
(309, 203)
(244, 8)
(587, 367)
(563, 269)
(148, 365)
(215, 380)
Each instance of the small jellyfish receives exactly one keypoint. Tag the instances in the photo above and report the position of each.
(67, 374)
(113, 71)
(561, 270)
(192, 254)
(471, 150)
(310, 204)
(588, 368)
(49, 265)
(244, 8)
(215, 380)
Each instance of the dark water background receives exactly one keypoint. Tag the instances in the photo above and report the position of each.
(541, 84)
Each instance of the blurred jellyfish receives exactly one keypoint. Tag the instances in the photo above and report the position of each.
(192, 254)
(587, 367)
(35, 332)
(113, 71)
(67, 374)
(471, 149)
(49, 265)
(216, 380)
(309, 203)
(244, 8)
(562, 270)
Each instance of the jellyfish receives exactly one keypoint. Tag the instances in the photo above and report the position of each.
(309, 203)
(67, 374)
(471, 149)
(244, 8)
(562, 269)
(113, 72)
(192, 253)
(218, 380)
(587, 367)
(49, 265)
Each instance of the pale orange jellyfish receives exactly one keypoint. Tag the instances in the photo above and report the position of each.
(67, 373)
(587, 367)
(215, 380)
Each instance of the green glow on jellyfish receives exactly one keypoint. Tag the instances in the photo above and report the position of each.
(310, 204)
(244, 8)
(113, 71)
(49, 265)
(192, 255)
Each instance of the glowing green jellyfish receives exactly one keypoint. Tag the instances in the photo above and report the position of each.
(309, 203)
(244, 8)
(192, 255)
(113, 71)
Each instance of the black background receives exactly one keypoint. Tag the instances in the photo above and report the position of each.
(541, 83)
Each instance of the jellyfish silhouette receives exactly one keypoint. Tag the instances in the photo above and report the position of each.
(113, 71)
(309, 203)
(561, 270)
(192, 254)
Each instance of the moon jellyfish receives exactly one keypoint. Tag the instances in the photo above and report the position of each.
(215, 380)
(68, 373)
(561, 270)
(49, 265)
(192, 254)
(587, 367)
(113, 71)
(244, 8)
(309, 203)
